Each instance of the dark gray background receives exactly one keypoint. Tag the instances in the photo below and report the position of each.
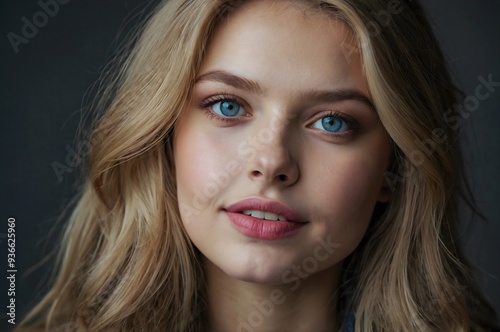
(43, 87)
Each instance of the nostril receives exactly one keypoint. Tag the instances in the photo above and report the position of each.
(256, 173)
(282, 177)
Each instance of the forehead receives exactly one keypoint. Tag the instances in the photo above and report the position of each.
(286, 43)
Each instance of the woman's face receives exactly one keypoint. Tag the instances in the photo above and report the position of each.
(280, 126)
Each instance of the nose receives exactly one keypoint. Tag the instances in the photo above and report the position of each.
(274, 163)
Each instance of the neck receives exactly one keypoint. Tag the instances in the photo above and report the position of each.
(239, 306)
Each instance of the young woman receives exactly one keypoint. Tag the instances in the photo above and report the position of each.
(272, 166)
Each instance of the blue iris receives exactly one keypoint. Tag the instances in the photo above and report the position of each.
(333, 124)
(227, 108)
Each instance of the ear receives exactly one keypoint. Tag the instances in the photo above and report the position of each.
(385, 193)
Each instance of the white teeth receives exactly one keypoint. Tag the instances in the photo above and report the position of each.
(264, 215)
(258, 214)
(271, 216)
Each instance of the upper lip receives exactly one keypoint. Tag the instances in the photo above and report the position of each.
(257, 203)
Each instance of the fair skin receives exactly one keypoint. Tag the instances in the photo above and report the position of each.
(278, 113)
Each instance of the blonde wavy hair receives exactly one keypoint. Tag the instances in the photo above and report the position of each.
(126, 262)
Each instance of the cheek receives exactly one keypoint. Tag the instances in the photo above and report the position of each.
(354, 185)
(204, 164)
(350, 181)
(194, 158)
(345, 195)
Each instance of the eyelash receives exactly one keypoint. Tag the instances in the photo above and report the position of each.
(210, 101)
(351, 123)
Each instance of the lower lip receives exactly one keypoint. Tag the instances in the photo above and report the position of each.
(263, 229)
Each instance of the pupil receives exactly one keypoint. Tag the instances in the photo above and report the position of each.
(229, 108)
(331, 124)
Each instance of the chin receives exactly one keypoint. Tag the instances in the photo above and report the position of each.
(258, 277)
(255, 270)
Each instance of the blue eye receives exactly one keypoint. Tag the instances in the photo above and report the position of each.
(228, 108)
(332, 124)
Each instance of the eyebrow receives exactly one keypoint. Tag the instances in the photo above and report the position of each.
(237, 82)
(221, 76)
(337, 96)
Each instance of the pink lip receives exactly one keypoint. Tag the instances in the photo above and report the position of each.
(260, 228)
(275, 207)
